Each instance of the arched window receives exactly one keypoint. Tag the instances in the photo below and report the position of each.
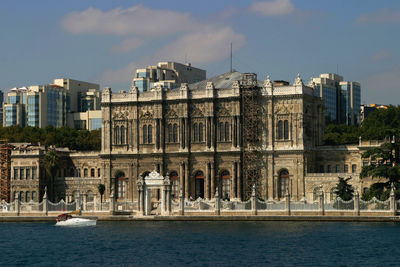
(175, 133)
(175, 184)
(226, 185)
(280, 130)
(28, 196)
(150, 134)
(199, 184)
(22, 196)
(195, 132)
(221, 131)
(34, 195)
(116, 133)
(200, 132)
(144, 134)
(122, 141)
(121, 185)
(283, 183)
(286, 130)
(92, 172)
(85, 173)
(170, 133)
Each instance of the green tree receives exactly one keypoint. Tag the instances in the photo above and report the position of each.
(50, 136)
(385, 165)
(102, 189)
(341, 134)
(343, 189)
(51, 163)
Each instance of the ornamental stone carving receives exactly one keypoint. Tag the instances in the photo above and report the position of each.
(298, 81)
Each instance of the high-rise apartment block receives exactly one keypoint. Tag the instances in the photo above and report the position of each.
(342, 99)
(78, 92)
(168, 75)
(51, 104)
(1, 106)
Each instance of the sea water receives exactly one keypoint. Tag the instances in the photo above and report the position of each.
(201, 244)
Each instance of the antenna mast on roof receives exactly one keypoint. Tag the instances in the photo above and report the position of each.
(231, 57)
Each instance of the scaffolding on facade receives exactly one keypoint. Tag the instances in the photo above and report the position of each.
(251, 111)
(5, 170)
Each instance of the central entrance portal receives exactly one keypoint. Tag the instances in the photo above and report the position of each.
(154, 194)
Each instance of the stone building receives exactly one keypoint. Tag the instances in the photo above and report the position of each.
(195, 134)
(79, 174)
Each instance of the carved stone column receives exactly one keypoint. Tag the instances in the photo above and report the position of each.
(207, 181)
(212, 180)
(234, 180)
(187, 181)
(140, 195)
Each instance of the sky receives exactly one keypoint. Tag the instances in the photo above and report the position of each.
(104, 41)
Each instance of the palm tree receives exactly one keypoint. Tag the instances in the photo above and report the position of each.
(51, 163)
(102, 189)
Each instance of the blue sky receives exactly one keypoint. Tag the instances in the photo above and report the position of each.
(104, 41)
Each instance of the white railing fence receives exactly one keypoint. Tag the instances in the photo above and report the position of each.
(216, 205)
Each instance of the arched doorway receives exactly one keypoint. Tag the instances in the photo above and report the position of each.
(226, 185)
(120, 180)
(175, 184)
(199, 184)
(283, 183)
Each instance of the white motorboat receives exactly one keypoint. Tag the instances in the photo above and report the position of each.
(68, 220)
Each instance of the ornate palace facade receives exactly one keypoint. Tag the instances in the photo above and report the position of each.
(195, 134)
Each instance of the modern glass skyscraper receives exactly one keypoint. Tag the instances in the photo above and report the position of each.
(1, 106)
(350, 102)
(342, 99)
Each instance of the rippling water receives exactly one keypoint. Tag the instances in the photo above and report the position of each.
(201, 243)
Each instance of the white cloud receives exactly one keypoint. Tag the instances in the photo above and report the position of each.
(136, 20)
(273, 8)
(207, 45)
(201, 43)
(129, 44)
(384, 15)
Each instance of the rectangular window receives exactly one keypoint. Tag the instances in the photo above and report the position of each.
(346, 168)
(28, 173)
(354, 168)
(321, 169)
(92, 172)
(98, 172)
(329, 169)
(33, 173)
(338, 168)
(21, 173)
(15, 173)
